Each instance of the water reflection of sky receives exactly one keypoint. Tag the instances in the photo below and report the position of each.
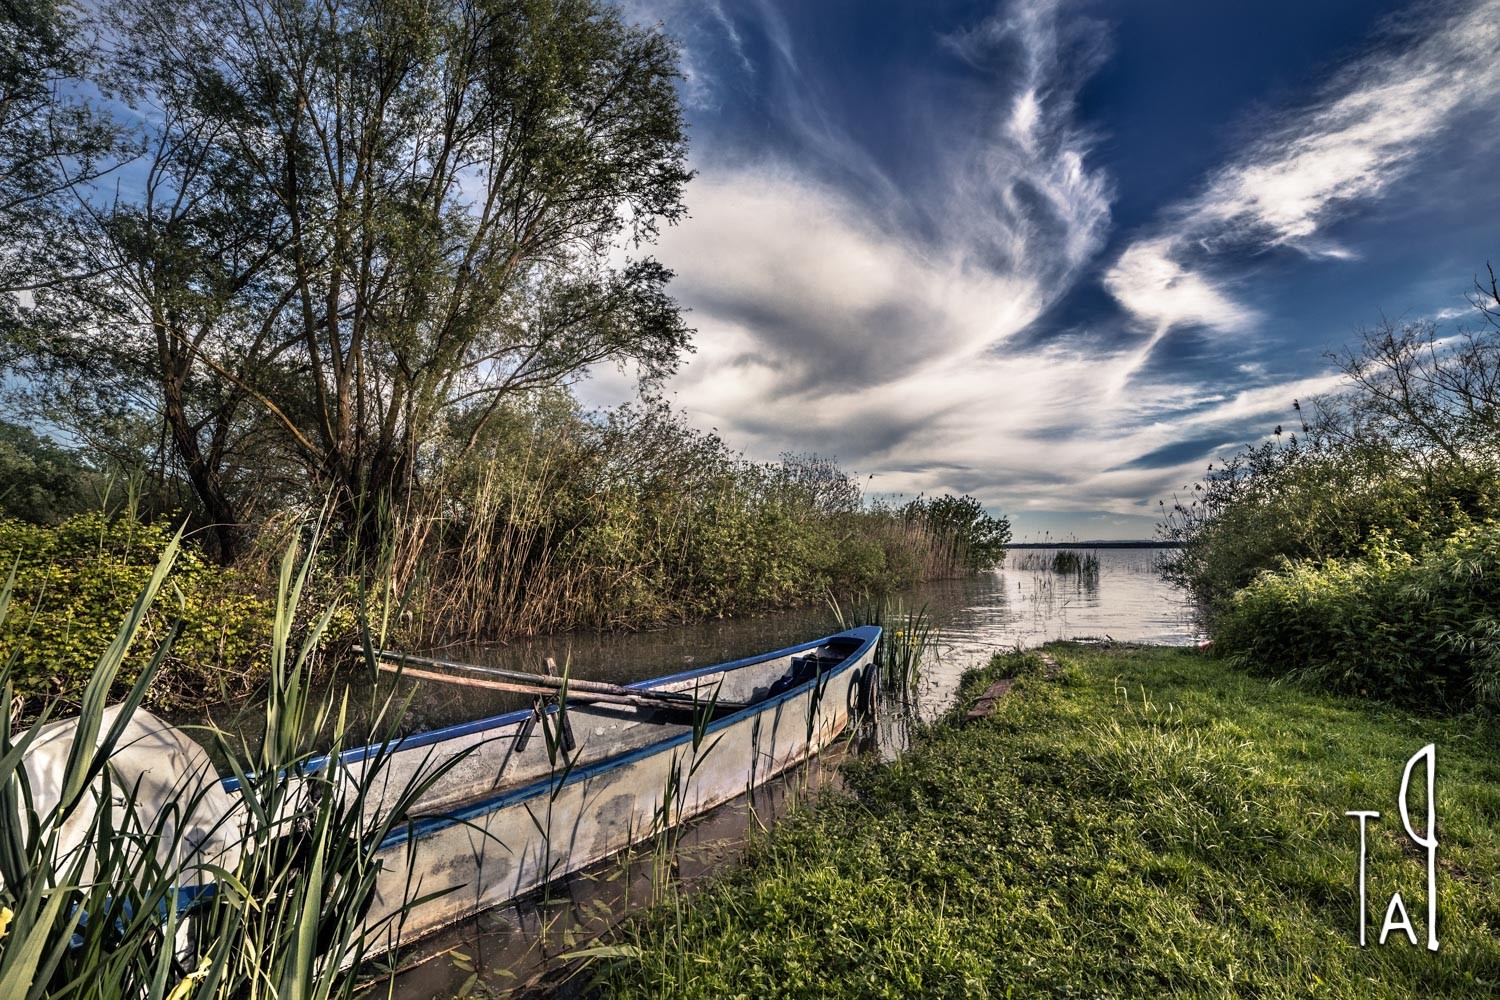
(1019, 606)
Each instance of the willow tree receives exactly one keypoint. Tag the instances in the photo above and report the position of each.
(361, 224)
(52, 139)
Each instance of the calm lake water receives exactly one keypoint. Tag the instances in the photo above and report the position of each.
(1014, 605)
(1020, 604)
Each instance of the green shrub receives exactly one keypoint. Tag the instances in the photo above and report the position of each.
(73, 584)
(1276, 503)
(1417, 629)
(973, 536)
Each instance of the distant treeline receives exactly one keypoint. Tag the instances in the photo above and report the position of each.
(1143, 543)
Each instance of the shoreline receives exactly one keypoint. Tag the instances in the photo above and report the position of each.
(1149, 820)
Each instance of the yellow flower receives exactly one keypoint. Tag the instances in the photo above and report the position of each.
(6, 916)
(184, 989)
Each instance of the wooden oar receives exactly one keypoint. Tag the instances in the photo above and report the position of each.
(549, 681)
(479, 682)
(577, 689)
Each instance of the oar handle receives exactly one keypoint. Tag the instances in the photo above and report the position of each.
(525, 683)
(511, 686)
(520, 676)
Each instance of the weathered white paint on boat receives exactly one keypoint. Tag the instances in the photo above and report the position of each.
(503, 823)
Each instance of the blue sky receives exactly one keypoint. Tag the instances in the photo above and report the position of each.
(1062, 255)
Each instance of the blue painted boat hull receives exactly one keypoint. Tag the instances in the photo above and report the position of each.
(503, 823)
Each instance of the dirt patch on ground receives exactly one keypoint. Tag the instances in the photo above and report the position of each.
(998, 690)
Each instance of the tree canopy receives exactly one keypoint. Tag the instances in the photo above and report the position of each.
(353, 229)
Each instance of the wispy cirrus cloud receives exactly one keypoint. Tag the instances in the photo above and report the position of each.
(862, 295)
(1028, 176)
(704, 31)
(843, 312)
(841, 272)
(1367, 127)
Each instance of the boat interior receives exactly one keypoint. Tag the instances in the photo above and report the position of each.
(511, 751)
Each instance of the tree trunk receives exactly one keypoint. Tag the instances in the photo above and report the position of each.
(224, 527)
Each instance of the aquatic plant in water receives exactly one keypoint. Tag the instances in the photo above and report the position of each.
(1072, 563)
(905, 634)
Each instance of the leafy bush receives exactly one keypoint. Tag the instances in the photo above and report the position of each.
(1276, 502)
(974, 537)
(74, 582)
(1403, 455)
(1419, 629)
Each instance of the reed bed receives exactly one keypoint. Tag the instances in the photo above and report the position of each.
(639, 521)
(1076, 563)
(552, 520)
(1066, 562)
(91, 904)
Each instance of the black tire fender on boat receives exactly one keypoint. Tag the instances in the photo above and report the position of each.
(861, 697)
(864, 686)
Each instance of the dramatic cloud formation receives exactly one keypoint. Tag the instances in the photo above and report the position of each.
(872, 267)
(1022, 190)
(1369, 127)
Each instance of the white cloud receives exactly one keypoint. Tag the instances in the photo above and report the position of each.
(1374, 120)
(1366, 130)
(826, 324)
(1164, 294)
(831, 296)
(1027, 175)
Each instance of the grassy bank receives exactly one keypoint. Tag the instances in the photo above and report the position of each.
(1144, 823)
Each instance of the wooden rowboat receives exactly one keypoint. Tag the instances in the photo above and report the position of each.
(542, 793)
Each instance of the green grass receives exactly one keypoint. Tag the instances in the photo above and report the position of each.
(1146, 823)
